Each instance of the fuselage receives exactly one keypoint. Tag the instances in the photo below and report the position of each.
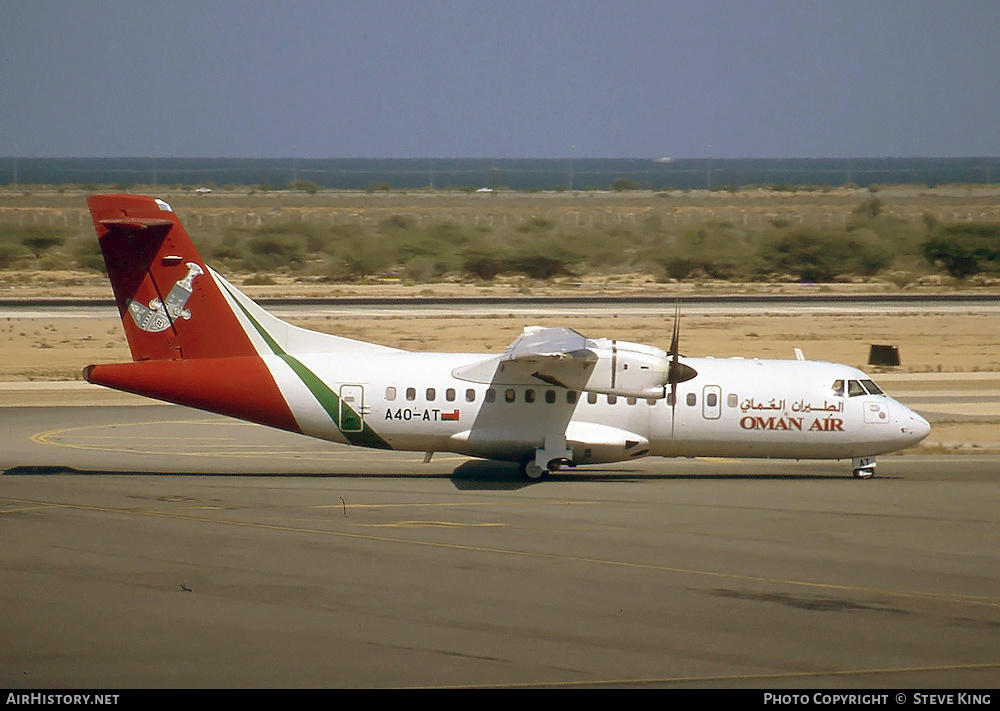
(734, 407)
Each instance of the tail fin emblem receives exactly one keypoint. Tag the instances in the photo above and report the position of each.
(159, 314)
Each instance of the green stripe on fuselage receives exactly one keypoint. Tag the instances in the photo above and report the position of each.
(366, 437)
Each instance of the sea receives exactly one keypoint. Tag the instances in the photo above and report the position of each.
(661, 173)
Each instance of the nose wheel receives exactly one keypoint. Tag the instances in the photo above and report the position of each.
(864, 467)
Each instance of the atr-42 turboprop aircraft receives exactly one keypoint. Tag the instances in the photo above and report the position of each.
(554, 398)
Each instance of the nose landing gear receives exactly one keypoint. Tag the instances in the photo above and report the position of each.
(864, 467)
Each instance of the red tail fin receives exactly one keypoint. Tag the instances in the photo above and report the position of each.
(177, 319)
(170, 304)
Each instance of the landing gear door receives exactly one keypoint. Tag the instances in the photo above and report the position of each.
(352, 407)
(711, 402)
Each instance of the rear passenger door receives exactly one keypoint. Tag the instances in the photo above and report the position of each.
(352, 407)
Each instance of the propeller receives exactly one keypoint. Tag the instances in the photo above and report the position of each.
(677, 372)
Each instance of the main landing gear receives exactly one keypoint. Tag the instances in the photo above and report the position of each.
(547, 459)
(533, 472)
(864, 467)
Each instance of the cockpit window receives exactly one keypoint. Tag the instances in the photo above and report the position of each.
(871, 387)
(854, 388)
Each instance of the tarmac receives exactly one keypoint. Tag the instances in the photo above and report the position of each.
(149, 546)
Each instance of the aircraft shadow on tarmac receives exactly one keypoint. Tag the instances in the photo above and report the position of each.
(470, 475)
(479, 474)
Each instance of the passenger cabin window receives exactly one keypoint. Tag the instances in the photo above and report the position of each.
(612, 399)
(550, 396)
(692, 399)
(732, 400)
(592, 398)
(470, 395)
(571, 397)
(529, 395)
(411, 393)
(711, 399)
(431, 394)
(390, 393)
(449, 394)
(509, 395)
(491, 395)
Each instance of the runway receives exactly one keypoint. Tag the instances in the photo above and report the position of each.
(549, 306)
(155, 546)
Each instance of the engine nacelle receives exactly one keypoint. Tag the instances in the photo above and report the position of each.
(628, 369)
(568, 359)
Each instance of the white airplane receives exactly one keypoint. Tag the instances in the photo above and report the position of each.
(554, 398)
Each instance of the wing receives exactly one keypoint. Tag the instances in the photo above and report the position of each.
(568, 359)
(558, 356)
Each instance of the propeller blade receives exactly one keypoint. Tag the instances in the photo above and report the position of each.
(677, 372)
(672, 374)
(675, 339)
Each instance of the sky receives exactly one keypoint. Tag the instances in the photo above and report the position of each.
(500, 78)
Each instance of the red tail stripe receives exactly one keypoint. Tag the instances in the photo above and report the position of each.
(238, 387)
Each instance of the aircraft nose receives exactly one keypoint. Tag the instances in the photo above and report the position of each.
(914, 427)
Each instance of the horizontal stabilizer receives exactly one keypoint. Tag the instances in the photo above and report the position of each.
(134, 224)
